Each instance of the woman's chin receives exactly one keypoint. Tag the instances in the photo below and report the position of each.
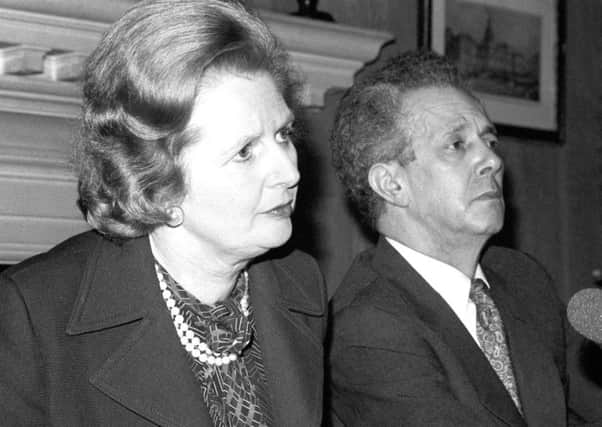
(279, 235)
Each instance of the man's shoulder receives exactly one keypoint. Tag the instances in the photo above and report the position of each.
(512, 264)
(522, 277)
(360, 285)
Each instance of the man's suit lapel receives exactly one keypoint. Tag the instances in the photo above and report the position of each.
(540, 388)
(292, 354)
(147, 372)
(435, 313)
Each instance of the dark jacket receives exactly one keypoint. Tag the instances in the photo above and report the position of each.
(400, 356)
(86, 340)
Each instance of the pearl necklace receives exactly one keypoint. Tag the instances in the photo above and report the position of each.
(189, 339)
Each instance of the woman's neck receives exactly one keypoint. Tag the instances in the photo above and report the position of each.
(199, 271)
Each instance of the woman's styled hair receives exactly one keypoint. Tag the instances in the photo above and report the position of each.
(139, 90)
(371, 122)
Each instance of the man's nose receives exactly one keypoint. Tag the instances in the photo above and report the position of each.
(490, 161)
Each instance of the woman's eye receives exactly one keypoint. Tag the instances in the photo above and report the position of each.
(244, 154)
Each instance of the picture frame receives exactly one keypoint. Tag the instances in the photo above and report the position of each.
(508, 51)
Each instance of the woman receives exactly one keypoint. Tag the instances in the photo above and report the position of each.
(173, 312)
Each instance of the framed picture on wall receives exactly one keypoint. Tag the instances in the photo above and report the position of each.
(508, 50)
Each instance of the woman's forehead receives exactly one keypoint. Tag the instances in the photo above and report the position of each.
(239, 107)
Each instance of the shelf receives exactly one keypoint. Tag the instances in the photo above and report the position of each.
(53, 48)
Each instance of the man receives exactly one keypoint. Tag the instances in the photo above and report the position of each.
(431, 327)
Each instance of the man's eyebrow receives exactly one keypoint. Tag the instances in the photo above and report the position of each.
(489, 129)
(459, 127)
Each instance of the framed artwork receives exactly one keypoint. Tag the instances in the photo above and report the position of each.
(507, 50)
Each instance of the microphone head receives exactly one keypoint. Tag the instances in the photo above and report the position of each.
(584, 312)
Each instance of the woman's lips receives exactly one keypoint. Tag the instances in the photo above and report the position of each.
(284, 211)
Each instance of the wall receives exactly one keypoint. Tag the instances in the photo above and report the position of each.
(553, 188)
(37, 188)
(43, 46)
(580, 160)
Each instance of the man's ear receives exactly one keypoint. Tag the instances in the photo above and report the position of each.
(386, 180)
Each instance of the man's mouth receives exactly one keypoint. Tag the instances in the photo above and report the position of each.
(493, 194)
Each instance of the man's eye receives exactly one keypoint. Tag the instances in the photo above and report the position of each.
(285, 135)
(457, 145)
(493, 143)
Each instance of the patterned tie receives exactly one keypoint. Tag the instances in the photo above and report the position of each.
(490, 332)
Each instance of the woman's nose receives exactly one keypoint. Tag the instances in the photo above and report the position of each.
(285, 171)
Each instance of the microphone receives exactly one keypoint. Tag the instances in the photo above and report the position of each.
(584, 312)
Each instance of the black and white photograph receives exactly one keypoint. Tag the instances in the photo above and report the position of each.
(300, 213)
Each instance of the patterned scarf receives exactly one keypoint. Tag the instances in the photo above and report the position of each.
(236, 393)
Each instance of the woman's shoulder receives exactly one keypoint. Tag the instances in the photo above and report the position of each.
(298, 275)
(48, 283)
(300, 265)
(297, 259)
(67, 258)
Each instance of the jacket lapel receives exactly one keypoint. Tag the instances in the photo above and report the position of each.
(438, 316)
(539, 385)
(147, 372)
(292, 354)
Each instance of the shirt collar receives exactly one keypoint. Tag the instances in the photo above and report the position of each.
(447, 281)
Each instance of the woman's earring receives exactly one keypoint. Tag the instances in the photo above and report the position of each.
(176, 217)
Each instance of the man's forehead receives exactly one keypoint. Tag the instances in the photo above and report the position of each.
(440, 100)
(428, 108)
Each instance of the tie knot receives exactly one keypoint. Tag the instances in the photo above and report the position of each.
(478, 288)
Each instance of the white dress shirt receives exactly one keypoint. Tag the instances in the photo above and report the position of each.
(448, 281)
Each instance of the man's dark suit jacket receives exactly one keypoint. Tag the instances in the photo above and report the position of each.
(400, 356)
(86, 340)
